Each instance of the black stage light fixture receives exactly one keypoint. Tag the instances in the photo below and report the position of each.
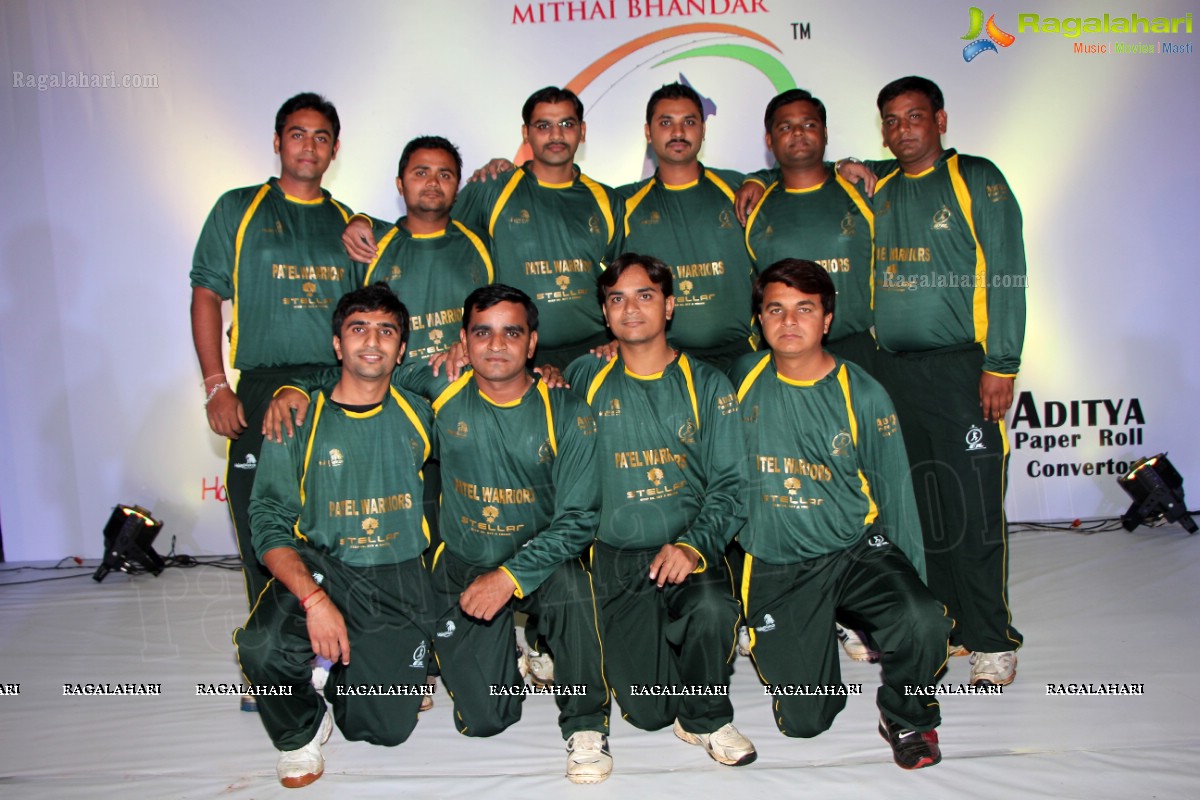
(1157, 492)
(128, 537)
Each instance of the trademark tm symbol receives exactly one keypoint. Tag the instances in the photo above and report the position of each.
(801, 30)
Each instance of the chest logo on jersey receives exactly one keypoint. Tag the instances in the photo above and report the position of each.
(336, 459)
(613, 410)
(841, 444)
(975, 439)
(521, 217)
(458, 431)
(997, 192)
(588, 424)
(396, 273)
(727, 404)
(653, 218)
(725, 219)
(849, 225)
(752, 417)
(436, 335)
(941, 219)
(655, 475)
(545, 453)
(562, 282)
(491, 514)
(370, 525)
(687, 432)
(278, 229)
(594, 224)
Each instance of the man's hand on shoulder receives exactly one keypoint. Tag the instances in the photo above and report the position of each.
(359, 240)
(492, 170)
(746, 198)
(279, 414)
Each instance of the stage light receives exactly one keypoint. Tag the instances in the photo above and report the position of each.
(1157, 492)
(128, 537)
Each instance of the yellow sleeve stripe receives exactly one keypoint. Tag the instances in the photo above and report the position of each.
(237, 263)
(450, 391)
(720, 184)
(312, 436)
(1001, 374)
(293, 388)
(601, 200)
(844, 381)
(480, 247)
(509, 188)
(869, 216)
(633, 202)
(341, 208)
(599, 379)
(379, 248)
(703, 565)
(685, 366)
(754, 215)
(980, 297)
(750, 378)
(879, 184)
(412, 417)
(520, 593)
(545, 394)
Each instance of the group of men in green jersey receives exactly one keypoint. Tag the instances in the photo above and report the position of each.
(605, 511)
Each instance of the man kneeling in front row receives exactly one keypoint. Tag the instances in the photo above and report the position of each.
(832, 529)
(347, 572)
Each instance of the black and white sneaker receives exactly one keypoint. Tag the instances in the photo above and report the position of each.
(911, 749)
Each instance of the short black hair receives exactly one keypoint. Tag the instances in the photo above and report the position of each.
(787, 98)
(551, 94)
(912, 83)
(303, 101)
(802, 275)
(485, 297)
(660, 274)
(429, 143)
(377, 296)
(674, 91)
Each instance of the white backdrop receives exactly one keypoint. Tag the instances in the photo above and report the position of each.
(105, 191)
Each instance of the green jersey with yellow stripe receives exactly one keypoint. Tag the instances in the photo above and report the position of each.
(281, 261)
(432, 274)
(693, 229)
(830, 224)
(827, 462)
(519, 487)
(950, 261)
(551, 241)
(671, 454)
(349, 482)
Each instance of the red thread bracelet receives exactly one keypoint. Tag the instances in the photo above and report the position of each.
(308, 597)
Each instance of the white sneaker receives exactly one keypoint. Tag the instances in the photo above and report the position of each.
(956, 651)
(588, 759)
(540, 668)
(743, 644)
(993, 669)
(726, 744)
(855, 644)
(301, 767)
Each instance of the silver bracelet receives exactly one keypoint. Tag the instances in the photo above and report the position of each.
(213, 392)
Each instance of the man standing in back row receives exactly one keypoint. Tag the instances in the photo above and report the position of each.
(950, 319)
(552, 228)
(275, 250)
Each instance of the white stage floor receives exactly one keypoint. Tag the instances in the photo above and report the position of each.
(1105, 608)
